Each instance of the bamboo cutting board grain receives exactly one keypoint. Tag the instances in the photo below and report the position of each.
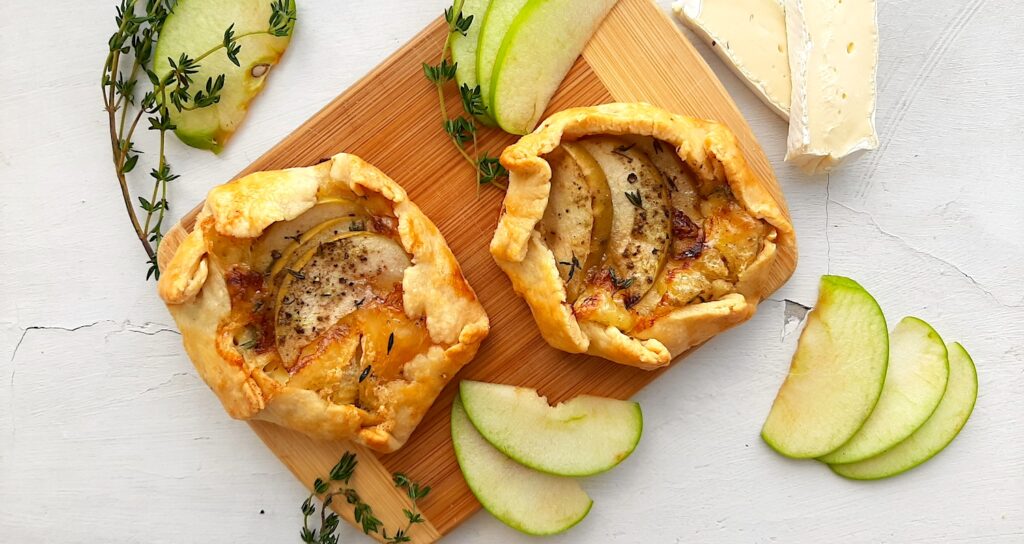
(391, 119)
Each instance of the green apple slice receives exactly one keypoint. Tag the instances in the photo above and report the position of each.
(541, 46)
(583, 436)
(493, 28)
(522, 498)
(332, 280)
(914, 383)
(836, 376)
(192, 28)
(941, 428)
(464, 49)
(641, 224)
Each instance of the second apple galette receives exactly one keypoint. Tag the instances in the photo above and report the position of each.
(635, 234)
(322, 299)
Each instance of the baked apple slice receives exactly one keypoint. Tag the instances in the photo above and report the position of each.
(332, 280)
(577, 222)
(640, 225)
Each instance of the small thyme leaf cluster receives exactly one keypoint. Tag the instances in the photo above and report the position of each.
(338, 479)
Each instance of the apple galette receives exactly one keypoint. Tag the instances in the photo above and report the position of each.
(635, 234)
(322, 299)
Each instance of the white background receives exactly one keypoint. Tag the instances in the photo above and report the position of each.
(106, 434)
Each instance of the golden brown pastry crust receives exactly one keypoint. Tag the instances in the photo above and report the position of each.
(433, 290)
(711, 151)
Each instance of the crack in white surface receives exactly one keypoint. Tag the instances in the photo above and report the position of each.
(874, 223)
(148, 328)
(164, 383)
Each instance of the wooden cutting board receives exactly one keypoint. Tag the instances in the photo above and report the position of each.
(391, 119)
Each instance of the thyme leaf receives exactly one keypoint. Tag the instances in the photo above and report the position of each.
(635, 199)
(620, 283)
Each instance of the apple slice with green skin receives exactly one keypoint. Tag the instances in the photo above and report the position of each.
(195, 26)
(836, 376)
(941, 428)
(493, 28)
(583, 436)
(914, 383)
(464, 50)
(541, 46)
(641, 225)
(525, 499)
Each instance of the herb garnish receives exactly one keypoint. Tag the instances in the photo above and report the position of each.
(461, 130)
(573, 265)
(634, 198)
(621, 151)
(295, 274)
(136, 35)
(618, 283)
(362, 512)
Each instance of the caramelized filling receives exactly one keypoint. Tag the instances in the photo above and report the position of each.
(675, 238)
(322, 310)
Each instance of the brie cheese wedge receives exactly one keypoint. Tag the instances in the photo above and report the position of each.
(750, 36)
(833, 54)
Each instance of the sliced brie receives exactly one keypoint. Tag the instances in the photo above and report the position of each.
(833, 54)
(750, 36)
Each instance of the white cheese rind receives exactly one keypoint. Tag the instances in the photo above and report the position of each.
(750, 37)
(833, 55)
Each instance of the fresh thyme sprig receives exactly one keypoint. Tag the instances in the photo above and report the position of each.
(135, 39)
(462, 130)
(338, 479)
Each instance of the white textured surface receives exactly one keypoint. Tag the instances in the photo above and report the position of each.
(106, 434)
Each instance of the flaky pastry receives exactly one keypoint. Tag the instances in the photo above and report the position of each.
(322, 299)
(635, 234)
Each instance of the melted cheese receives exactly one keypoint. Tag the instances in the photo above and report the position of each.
(833, 54)
(750, 36)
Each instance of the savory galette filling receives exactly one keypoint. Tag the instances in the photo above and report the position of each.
(319, 304)
(636, 233)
